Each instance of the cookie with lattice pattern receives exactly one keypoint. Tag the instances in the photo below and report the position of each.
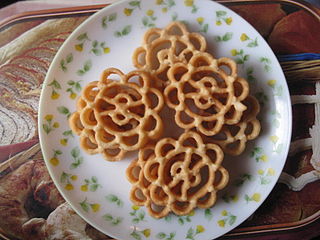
(161, 48)
(117, 116)
(206, 93)
(177, 175)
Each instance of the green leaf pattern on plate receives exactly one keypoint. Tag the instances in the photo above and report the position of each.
(82, 38)
(56, 86)
(49, 124)
(277, 147)
(265, 176)
(193, 232)
(74, 88)
(138, 214)
(132, 6)
(250, 42)
(229, 219)
(64, 111)
(181, 219)
(139, 235)
(65, 61)
(277, 88)
(250, 77)
(90, 184)
(168, 218)
(242, 179)
(165, 4)
(208, 214)
(113, 220)
(114, 199)
(255, 197)
(262, 98)
(184, 219)
(225, 37)
(67, 180)
(66, 135)
(165, 236)
(99, 48)
(76, 157)
(232, 198)
(190, 3)
(258, 154)
(123, 32)
(266, 63)
(175, 17)
(241, 56)
(89, 206)
(204, 27)
(277, 118)
(108, 19)
(149, 20)
(86, 67)
(222, 16)
(54, 160)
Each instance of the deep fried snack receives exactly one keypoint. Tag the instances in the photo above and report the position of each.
(177, 175)
(206, 93)
(87, 135)
(161, 48)
(114, 117)
(233, 138)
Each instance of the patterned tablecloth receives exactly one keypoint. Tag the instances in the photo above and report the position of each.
(28, 43)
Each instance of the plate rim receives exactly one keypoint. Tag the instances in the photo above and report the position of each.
(54, 63)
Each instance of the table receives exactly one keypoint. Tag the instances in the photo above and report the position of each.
(30, 39)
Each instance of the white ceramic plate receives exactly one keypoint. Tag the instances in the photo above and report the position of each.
(98, 190)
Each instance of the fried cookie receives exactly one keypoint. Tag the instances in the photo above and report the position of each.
(233, 138)
(177, 175)
(161, 48)
(117, 116)
(206, 93)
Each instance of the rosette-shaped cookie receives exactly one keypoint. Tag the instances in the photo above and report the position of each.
(117, 116)
(233, 138)
(83, 121)
(206, 93)
(161, 48)
(177, 175)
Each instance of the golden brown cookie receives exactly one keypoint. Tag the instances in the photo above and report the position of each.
(177, 175)
(233, 138)
(206, 93)
(117, 116)
(161, 48)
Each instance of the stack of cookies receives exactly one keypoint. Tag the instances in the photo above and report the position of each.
(211, 104)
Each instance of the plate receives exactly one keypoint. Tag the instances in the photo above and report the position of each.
(98, 190)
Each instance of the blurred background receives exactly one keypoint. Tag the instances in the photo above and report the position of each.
(5, 3)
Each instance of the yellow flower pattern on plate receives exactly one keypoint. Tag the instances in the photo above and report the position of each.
(55, 160)
(256, 197)
(87, 206)
(55, 85)
(222, 16)
(67, 179)
(228, 218)
(49, 124)
(133, 5)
